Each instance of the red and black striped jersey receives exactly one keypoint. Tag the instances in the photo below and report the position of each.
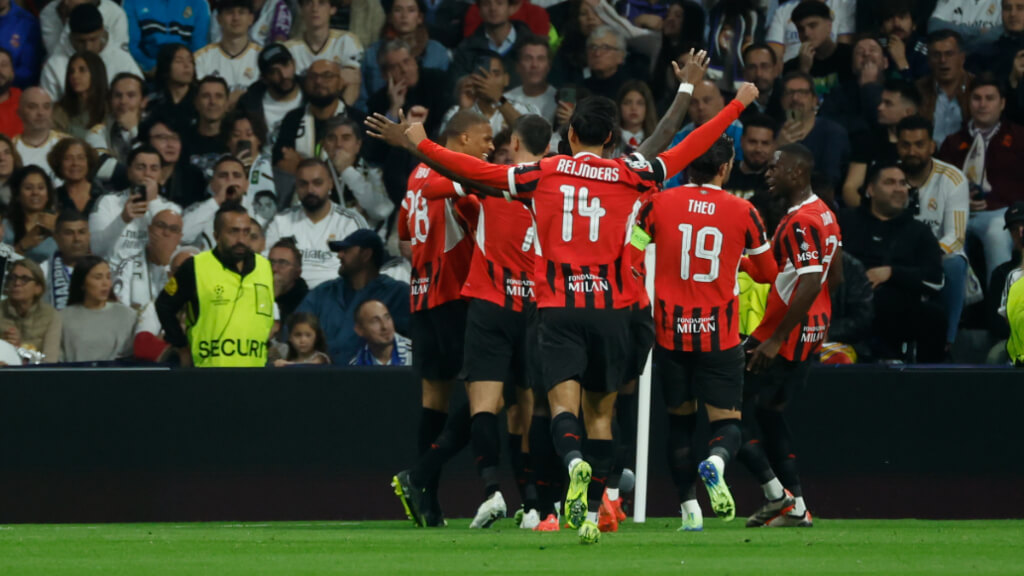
(584, 208)
(805, 242)
(441, 249)
(503, 254)
(702, 233)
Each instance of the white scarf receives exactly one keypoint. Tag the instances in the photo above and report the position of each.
(974, 164)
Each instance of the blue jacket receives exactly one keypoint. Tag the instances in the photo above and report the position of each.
(153, 23)
(334, 304)
(20, 35)
(735, 131)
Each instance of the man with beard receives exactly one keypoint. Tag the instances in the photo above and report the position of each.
(289, 287)
(358, 280)
(314, 223)
(10, 123)
(72, 235)
(276, 94)
(229, 292)
(758, 144)
(761, 68)
(302, 128)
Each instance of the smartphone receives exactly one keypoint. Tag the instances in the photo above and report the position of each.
(139, 193)
(243, 146)
(795, 115)
(482, 62)
(567, 95)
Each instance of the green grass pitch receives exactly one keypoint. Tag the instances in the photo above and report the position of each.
(831, 547)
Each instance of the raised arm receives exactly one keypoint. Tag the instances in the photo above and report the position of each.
(690, 74)
(701, 139)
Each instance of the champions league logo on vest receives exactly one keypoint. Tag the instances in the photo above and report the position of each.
(218, 296)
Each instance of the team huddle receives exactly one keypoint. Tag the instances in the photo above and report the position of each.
(528, 284)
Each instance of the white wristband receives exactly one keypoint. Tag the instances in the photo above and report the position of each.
(686, 87)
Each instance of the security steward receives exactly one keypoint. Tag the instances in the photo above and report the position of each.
(228, 297)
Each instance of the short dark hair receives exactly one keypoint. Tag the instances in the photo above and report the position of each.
(760, 46)
(307, 162)
(533, 40)
(798, 75)
(806, 10)
(593, 120)
(289, 243)
(705, 167)
(173, 124)
(228, 207)
(875, 171)
(534, 132)
(946, 34)
(462, 121)
(142, 149)
(893, 8)
(70, 215)
(76, 289)
(758, 120)
(986, 79)
(906, 90)
(912, 123)
(256, 122)
(339, 121)
(211, 79)
(227, 158)
(127, 76)
(802, 153)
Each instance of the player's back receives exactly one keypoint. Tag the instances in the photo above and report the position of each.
(805, 242)
(503, 254)
(441, 250)
(584, 208)
(701, 233)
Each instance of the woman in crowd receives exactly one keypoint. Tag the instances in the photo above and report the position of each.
(175, 79)
(97, 328)
(75, 162)
(31, 217)
(10, 162)
(405, 22)
(84, 103)
(637, 116)
(25, 320)
(244, 135)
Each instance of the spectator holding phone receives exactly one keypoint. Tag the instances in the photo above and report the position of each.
(31, 218)
(483, 92)
(827, 140)
(244, 134)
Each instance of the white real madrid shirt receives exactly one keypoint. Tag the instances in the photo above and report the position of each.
(944, 201)
(341, 47)
(319, 264)
(36, 155)
(239, 71)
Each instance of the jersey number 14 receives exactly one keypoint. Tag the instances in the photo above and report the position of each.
(579, 201)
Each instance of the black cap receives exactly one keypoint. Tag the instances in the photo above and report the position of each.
(1014, 214)
(85, 19)
(276, 53)
(809, 8)
(364, 238)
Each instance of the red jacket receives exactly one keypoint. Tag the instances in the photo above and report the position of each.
(10, 122)
(533, 16)
(1005, 155)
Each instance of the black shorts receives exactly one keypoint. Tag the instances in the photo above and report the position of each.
(714, 378)
(641, 329)
(498, 344)
(437, 337)
(589, 346)
(777, 385)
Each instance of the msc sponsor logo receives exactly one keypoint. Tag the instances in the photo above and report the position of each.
(232, 347)
(808, 256)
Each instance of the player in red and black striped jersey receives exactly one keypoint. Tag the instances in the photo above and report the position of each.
(702, 233)
(795, 323)
(584, 207)
(441, 251)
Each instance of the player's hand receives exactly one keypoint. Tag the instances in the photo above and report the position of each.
(418, 114)
(806, 57)
(762, 356)
(898, 51)
(879, 276)
(383, 128)
(416, 134)
(747, 94)
(694, 67)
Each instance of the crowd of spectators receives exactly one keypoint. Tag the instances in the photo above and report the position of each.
(124, 127)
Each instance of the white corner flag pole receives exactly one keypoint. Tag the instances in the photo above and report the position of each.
(643, 420)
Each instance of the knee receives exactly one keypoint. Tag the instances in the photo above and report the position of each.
(599, 427)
